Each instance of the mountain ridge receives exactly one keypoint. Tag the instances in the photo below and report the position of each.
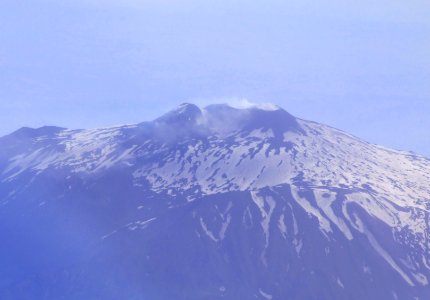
(222, 191)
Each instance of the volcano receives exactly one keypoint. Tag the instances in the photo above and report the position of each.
(211, 203)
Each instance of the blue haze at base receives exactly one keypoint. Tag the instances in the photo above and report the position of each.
(362, 67)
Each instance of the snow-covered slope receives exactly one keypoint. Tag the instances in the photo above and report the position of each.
(215, 203)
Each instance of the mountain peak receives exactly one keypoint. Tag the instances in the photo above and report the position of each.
(186, 108)
(251, 117)
(226, 118)
(186, 113)
(305, 197)
(28, 132)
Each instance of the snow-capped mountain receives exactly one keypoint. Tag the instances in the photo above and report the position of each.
(213, 203)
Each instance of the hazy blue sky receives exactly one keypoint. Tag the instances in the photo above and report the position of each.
(361, 66)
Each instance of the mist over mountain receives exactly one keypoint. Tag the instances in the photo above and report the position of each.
(211, 203)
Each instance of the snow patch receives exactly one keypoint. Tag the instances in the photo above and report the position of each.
(265, 295)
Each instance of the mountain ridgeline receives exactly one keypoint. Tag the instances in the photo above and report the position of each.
(212, 203)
